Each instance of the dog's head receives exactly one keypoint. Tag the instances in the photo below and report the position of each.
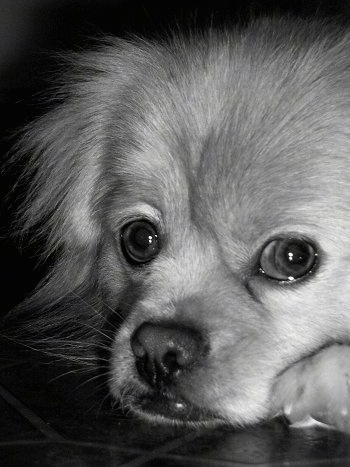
(204, 184)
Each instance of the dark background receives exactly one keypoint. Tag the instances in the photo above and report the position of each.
(31, 30)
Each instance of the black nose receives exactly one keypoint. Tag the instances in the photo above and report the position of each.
(163, 352)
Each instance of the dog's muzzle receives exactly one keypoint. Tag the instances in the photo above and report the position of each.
(164, 355)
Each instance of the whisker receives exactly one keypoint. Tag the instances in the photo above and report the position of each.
(113, 311)
(98, 331)
(101, 315)
(102, 402)
(70, 372)
(93, 378)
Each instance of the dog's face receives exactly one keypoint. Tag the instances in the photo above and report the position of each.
(214, 176)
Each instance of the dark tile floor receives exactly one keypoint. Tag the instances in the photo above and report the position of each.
(52, 416)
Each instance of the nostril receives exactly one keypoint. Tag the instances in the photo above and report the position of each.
(171, 363)
(146, 368)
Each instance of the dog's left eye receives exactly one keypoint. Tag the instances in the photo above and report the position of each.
(139, 242)
(287, 259)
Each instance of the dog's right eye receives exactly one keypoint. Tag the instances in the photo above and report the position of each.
(139, 242)
(287, 259)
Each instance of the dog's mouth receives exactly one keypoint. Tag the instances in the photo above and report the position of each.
(173, 409)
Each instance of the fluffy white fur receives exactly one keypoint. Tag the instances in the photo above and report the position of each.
(224, 141)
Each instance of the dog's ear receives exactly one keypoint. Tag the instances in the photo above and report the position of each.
(59, 159)
(60, 152)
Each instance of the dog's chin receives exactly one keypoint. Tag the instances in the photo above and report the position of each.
(165, 408)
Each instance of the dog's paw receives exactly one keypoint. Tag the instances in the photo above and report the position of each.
(316, 387)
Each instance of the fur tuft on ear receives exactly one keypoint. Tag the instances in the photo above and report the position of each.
(61, 152)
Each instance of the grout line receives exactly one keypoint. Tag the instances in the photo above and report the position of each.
(164, 449)
(29, 415)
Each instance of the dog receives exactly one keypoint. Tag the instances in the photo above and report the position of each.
(194, 194)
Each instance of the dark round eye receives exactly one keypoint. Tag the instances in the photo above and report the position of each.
(139, 241)
(287, 259)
